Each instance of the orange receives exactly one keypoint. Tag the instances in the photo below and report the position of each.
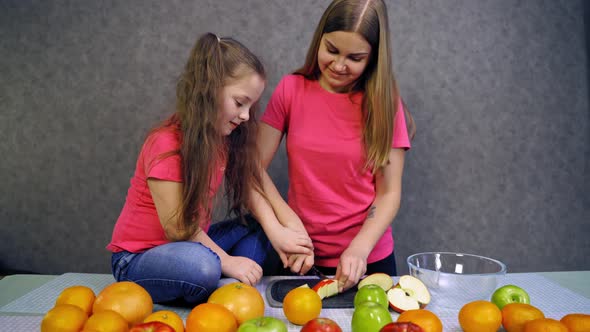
(64, 318)
(576, 322)
(211, 317)
(106, 321)
(169, 317)
(127, 298)
(480, 316)
(243, 300)
(515, 315)
(426, 319)
(301, 305)
(544, 325)
(80, 296)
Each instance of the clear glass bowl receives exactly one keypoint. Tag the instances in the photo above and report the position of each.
(455, 279)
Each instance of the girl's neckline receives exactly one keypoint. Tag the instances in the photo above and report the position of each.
(341, 95)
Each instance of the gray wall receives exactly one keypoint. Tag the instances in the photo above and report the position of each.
(499, 91)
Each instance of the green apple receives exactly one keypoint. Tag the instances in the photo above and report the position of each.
(263, 324)
(371, 293)
(510, 294)
(370, 317)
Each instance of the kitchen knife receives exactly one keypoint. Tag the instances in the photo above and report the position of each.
(315, 271)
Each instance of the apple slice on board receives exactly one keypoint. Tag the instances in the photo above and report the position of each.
(409, 293)
(326, 288)
(380, 279)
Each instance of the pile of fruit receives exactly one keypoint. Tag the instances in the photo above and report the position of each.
(127, 307)
(510, 307)
(120, 307)
(377, 294)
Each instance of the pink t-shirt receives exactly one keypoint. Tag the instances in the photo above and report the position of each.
(329, 188)
(138, 227)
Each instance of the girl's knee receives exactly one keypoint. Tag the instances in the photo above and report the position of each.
(192, 263)
(208, 275)
(203, 277)
(204, 267)
(201, 269)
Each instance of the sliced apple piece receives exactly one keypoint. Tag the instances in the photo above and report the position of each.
(399, 301)
(326, 288)
(304, 286)
(380, 279)
(409, 293)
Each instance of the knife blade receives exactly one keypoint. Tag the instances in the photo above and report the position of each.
(315, 271)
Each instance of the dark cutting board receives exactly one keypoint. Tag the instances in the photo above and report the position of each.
(278, 289)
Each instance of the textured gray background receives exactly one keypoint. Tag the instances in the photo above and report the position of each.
(499, 91)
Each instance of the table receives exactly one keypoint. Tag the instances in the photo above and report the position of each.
(25, 298)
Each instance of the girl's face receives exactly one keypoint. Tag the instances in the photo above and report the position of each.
(342, 59)
(236, 99)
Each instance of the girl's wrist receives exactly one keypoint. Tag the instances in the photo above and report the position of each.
(361, 250)
(294, 224)
(224, 262)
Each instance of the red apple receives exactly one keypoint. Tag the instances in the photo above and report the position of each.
(326, 288)
(380, 279)
(152, 327)
(321, 325)
(401, 327)
(409, 293)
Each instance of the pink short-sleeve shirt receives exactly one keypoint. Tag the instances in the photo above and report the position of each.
(138, 227)
(329, 188)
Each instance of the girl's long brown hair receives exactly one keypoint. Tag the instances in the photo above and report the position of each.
(212, 64)
(380, 99)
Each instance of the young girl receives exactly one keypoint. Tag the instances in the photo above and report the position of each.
(163, 239)
(346, 138)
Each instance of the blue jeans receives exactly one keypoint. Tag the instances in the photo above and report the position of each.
(188, 272)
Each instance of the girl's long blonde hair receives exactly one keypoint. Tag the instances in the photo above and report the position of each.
(380, 99)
